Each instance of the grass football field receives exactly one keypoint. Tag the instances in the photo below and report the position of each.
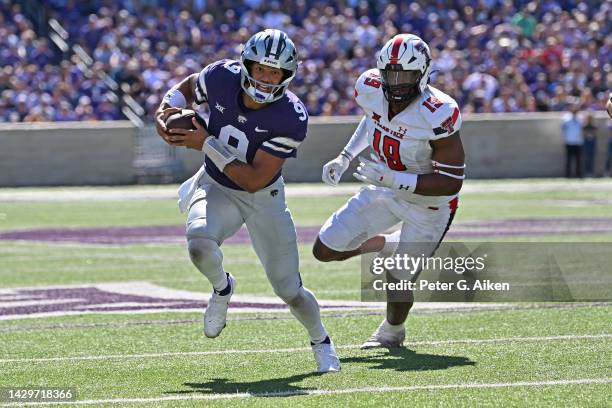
(97, 293)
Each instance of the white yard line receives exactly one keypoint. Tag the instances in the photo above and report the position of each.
(293, 190)
(283, 315)
(241, 395)
(302, 349)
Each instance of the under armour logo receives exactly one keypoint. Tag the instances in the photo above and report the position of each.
(273, 193)
(241, 119)
(402, 130)
(375, 117)
(403, 187)
(219, 107)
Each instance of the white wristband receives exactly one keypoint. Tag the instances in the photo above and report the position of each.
(346, 155)
(217, 152)
(175, 98)
(405, 181)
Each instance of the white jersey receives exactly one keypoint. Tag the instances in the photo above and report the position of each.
(403, 142)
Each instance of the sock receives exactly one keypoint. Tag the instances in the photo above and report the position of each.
(228, 287)
(306, 309)
(326, 341)
(395, 329)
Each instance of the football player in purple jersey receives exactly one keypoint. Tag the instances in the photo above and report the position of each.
(255, 124)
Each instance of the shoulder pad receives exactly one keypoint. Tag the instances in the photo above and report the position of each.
(213, 73)
(441, 112)
(289, 133)
(296, 109)
(224, 65)
(368, 82)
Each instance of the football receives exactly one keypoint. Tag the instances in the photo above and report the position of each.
(182, 120)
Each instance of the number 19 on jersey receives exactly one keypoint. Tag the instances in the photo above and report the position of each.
(388, 150)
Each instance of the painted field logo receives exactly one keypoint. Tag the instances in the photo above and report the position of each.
(128, 297)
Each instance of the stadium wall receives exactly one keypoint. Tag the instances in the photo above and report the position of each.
(68, 153)
(496, 146)
(102, 153)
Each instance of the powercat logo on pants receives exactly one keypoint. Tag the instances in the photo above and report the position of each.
(128, 297)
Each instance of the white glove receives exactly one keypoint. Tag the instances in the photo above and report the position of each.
(333, 170)
(377, 173)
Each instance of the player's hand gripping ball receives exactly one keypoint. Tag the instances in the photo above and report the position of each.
(183, 120)
(187, 128)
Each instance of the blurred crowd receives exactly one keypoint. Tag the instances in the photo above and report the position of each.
(36, 84)
(490, 55)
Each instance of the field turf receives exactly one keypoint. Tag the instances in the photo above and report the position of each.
(518, 354)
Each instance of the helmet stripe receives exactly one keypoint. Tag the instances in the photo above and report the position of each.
(275, 45)
(269, 41)
(275, 41)
(397, 42)
(282, 44)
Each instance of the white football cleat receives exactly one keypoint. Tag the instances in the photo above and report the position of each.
(216, 311)
(325, 354)
(384, 338)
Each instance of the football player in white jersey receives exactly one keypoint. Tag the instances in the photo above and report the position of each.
(414, 176)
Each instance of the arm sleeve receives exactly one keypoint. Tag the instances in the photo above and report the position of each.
(358, 141)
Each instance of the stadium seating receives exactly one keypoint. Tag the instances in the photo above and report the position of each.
(492, 56)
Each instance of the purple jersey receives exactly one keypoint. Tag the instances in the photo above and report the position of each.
(278, 128)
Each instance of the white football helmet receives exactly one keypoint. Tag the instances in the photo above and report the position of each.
(274, 49)
(404, 63)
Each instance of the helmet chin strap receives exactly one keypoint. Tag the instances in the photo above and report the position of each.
(398, 105)
(403, 100)
(261, 96)
(258, 95)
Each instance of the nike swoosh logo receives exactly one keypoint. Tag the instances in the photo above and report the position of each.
(257, 129)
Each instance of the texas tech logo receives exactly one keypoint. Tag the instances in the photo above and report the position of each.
(419, 46)
(448, 125)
